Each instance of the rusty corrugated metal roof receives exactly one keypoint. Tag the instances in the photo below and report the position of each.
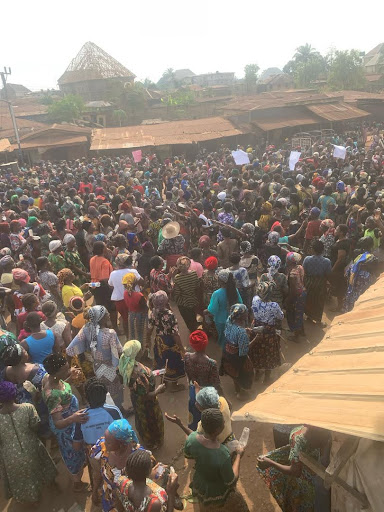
(176, 132)
(46, 141)
(285, 121)
(339, 384)
(337, 111)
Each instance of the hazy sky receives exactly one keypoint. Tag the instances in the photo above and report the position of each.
(39, 38)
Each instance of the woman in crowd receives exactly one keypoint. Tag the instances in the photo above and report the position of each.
(144, 396)
(215, 477)
(26, 467)
(264, 350)
(291, 483)
(279, 291)
(297, 294)
(186, 292)
(158, 279)
(68, 289)
(209, 279)
(168, 350)
(236, 362)
(317, 270)
(56, 258)
(200, 369)
(111, 453)
(103, 345)
(41, 342)
(327, 228)
(21, 246)
(137, 491)
(73, 260)
(49, 281)
(221, 302)
(340, 257)
(172, 245)
(57, 323)
(242, 281)
(271, 248)
(137, 310)
(361, 273)
(101, 269)
(64, 413)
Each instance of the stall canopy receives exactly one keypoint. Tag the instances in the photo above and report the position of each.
(339, 385)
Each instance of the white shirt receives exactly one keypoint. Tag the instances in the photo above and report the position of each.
(115, 280)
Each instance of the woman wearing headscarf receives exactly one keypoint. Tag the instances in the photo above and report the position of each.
(272, 248)
(21, 246)
(73, 260)
(279, 291)
(327, 230)
(137, 310)
(264, 350)
(186, 292)
(265, 221)
(111, 451)
(340, 196)
(221, 302)
(200, 369)
(168, 349)
(312, 231)
(25, 465)
(209, 279)
(205, 243)
(144, 392)
(295, 304)
(56, 258)
(100, 344)
(235, 361)
(68, 289)
(64, 413)
(317, 269)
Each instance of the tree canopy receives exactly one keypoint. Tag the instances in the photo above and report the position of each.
(68, 109)
(346, 70)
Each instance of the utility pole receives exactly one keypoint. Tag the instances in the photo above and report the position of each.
(3, 75)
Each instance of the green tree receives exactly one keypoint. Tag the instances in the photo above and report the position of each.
(68, 109)
(346, 71)
(305, 53)
(250, 75)
(119, 116)
(306, 65)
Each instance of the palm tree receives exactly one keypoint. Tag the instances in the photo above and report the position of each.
(305, 53)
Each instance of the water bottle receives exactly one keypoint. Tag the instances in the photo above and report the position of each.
(243, 441)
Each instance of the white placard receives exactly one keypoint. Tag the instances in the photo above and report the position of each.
(240, 157)
(294, 157)
(339, 152)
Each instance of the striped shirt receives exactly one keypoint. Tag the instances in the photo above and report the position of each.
(185, 289)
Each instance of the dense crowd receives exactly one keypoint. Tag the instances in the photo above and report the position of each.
(100, 250)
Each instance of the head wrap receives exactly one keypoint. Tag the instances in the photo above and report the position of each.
(76, 303)
(68, 238)
(236, 311)
(63, 274)
(267, 207)
(20, 274)
(100, 237)
(329, 225)
(210, 263)
(223, 275)
(204, 241)
(293, 257)
(159, 300)
(198, 340)
(95, 314)
(122, 431)
(129, 280)
(8, 391)
(121, 259)
(273, 237)
(22, 222)
(315, 212)
(127, 359)
(221, 196)
(6, 260)
(263, 290)
(245, 247)
(340, 186)
(31, 221)
(208, 398)
(248, 228)
(274, 263)
(54, 245)
(183, 263)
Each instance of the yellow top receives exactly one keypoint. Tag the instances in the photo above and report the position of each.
(67, 292)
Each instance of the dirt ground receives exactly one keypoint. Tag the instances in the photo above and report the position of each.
(62, 499)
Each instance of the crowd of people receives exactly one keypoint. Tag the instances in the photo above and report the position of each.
(97, 256)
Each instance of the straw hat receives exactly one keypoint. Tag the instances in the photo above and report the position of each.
(171, 230)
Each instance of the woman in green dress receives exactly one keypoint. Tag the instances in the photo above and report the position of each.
(55, 257)
(141, 381)
(215, 477)
(25, 465)
(73, 260)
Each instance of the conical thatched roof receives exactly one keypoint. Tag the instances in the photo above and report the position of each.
(93, 63)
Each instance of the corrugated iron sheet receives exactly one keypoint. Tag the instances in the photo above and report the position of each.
(177, 132)
(273, 124)
(49, 141)
(337, 111)
(339, 384)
